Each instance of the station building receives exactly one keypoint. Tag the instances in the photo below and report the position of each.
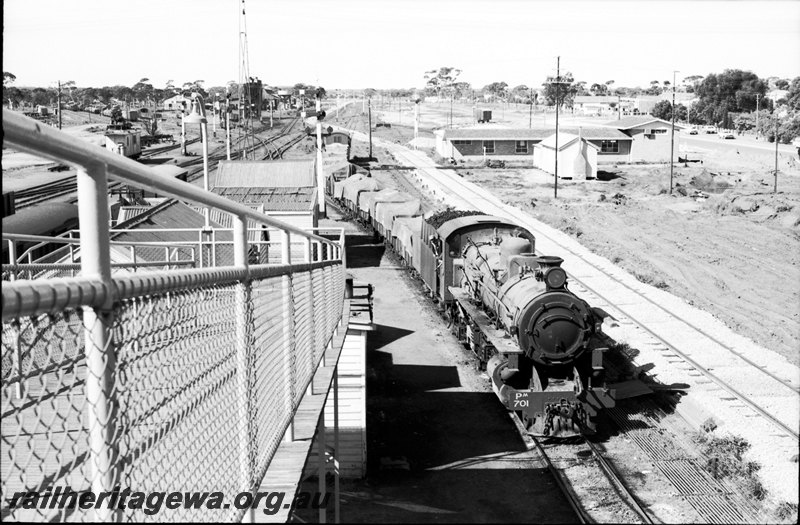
(518, 144)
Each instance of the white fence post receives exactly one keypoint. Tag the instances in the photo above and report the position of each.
(99, 347)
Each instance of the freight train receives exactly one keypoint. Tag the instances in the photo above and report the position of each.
(540, 344)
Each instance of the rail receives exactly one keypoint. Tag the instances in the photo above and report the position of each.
(180, 380)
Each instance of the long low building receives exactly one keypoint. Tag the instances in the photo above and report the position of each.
(613, 145)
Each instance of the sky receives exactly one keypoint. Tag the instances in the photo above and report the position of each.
(342, 44)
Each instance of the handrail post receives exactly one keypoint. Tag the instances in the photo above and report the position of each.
(12, 258)
(342, 248)
(309, 256)
(290, 372)
(244, 361)
(286, 247)
(71, 253)
(99, 347)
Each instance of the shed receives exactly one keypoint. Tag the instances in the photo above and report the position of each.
(273, 173)
(285, 189)
(577, 157)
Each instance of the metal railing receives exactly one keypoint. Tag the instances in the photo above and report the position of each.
(177, 380)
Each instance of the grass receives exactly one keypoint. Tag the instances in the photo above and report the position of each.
(652, 281)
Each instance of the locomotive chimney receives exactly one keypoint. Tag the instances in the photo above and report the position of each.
(549, 261)
(550, 272)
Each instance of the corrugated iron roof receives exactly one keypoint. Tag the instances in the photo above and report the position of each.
(154, 225)
(291, 173)
(496, 134)
(635, 121)
(564, 140)
(588, 132)
(273, 199)
(595, 133)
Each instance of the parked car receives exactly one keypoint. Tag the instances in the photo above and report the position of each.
(709, 130)
(692, 131)
(726, 134)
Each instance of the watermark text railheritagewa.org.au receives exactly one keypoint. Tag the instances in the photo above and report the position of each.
(154, 502)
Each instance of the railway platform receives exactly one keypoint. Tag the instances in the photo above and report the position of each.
(439, 446)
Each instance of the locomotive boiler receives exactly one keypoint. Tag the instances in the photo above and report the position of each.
(539, 340)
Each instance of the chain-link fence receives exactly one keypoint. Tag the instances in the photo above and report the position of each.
(188, 383)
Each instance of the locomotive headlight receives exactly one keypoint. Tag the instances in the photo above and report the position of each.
(555, 278)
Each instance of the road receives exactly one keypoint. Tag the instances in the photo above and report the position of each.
(742, 144)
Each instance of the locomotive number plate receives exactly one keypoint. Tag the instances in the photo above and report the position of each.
(520, 400)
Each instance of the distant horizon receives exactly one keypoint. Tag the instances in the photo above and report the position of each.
(207, 86)
(390, 44)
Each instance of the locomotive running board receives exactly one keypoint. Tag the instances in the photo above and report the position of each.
(498, 338)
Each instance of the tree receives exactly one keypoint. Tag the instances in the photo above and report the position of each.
(496, 89)
(793, 97)
(782, 84)
(8, 79)
(562, 86)
(731, 91)
(461, 89)
(441, 79)
(663, 110)
(598, 89)
(522, 93)
(655, 88)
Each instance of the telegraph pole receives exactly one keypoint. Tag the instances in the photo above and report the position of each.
(672, 137)
(757, 97)
(416, 119)
(775, 190)
(530, 114)
(558, 94)
(59, 104)
(369, 106)
(451, 110)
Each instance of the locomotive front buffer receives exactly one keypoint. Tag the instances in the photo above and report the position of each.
(563, 409)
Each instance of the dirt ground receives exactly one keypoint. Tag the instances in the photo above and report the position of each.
(733, 250)
(734, 254)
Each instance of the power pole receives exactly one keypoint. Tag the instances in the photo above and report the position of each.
(320, 165)
(59, 104)
(451, 110)
(530, 114)
(369, 104)
(775, 190)
(558, 94)
(416, 119)
(672, 137)
(757, 97)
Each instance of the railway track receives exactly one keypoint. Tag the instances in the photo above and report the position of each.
(742, 382)
(592, 458)
(67, 187)
(729, 381)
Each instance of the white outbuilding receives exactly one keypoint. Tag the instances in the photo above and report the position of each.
(577, 157)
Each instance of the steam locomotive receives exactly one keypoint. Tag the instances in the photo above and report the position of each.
(539, 343)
